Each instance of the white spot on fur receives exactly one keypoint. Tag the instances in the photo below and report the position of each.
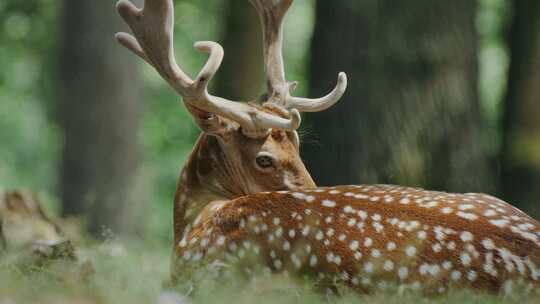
(368, 242)
(447, 210)
(404, 201)
(467, 215)
(465, 259)
(501, 223)
(328, 203)
(410, 251)
(298, 195)
(312, 260)
(488, 244)
(455, 275)
(388, 265)
(466, 236)
(368, 267)
(403, 272)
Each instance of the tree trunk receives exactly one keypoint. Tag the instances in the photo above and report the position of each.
(241, 76)
(98, 92)
(411, 114)
(521, 123)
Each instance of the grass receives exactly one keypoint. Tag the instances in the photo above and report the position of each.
(136, 272)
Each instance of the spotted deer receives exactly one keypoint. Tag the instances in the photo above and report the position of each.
(244, 190)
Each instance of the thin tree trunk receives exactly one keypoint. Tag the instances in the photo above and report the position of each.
(521, 123)
(411, 114)
(98, 92)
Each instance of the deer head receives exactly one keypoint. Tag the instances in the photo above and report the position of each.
(245, 148)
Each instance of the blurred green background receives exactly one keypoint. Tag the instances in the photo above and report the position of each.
(443, 95)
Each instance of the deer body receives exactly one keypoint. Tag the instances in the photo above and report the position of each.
(374, 236)
(245, 192)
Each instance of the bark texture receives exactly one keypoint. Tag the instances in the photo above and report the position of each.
(521, 123)
(241, 76)
(411, 114)
(98, 92)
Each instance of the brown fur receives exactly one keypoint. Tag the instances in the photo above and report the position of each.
(469, 234)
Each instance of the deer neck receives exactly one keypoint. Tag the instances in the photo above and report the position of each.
(208, 176)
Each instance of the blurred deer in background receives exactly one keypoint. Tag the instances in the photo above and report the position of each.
(244, 190)
(28, 231)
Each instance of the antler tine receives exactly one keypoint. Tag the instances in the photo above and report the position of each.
(272, 13)
(153, 27)
(153, 41)
(323, 103)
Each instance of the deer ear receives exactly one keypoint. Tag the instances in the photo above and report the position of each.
(210, 123)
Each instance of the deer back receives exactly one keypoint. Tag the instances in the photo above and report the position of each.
(374, 236)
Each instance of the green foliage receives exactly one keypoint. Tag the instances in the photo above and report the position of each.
(31, 140)
(127, 272)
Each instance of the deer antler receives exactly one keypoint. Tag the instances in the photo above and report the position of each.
(271, 13)
(152, 27)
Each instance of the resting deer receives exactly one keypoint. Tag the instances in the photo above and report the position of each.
(245, 189)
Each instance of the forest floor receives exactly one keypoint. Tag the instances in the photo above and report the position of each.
(131, 272)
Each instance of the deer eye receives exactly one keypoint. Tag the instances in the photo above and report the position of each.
(265, 161)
